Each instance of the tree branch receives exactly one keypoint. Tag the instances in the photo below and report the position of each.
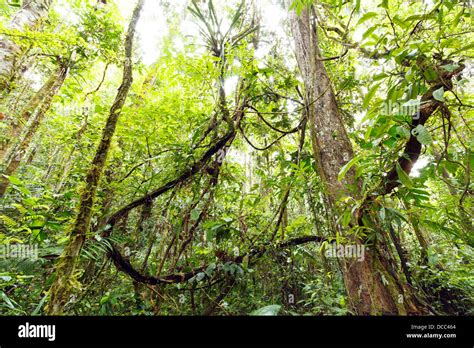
(126, 267)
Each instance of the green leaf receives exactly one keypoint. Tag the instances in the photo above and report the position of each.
(346, 168)
(357, 6)
(7, 300)
(368, 97)
(200, 276)
(382, 213)
(212, 266)
(299, 5)
(450, 67)
(463, 49)
(267, 310)
(439, 94)
(195, 214)
(346, 218)
(39, 306)
(245, 262)
(430, 74)
(14, 3)
(368, 32)
(380, 76)
(404, 178)
(15, 181)
(366, 17)
(422, 135)
(384, 4)
(403, 131)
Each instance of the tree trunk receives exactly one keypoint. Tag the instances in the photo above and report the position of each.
(60, 289)
(28, 16)
(372, 285)
(16, 126)
(34, 114)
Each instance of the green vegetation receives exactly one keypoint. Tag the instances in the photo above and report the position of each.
(306, 157)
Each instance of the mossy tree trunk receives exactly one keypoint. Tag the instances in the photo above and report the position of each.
(372, 285)
(60, 290)
(32, 117)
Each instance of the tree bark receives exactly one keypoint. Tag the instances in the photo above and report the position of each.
(33, 114)
(60, 289)
(372, 285)
(29, 16)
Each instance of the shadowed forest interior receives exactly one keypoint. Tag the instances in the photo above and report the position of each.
(226, 157)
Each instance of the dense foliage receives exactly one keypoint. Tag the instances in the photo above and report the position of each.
(211, 199)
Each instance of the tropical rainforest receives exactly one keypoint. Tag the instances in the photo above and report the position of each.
(226, 157)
